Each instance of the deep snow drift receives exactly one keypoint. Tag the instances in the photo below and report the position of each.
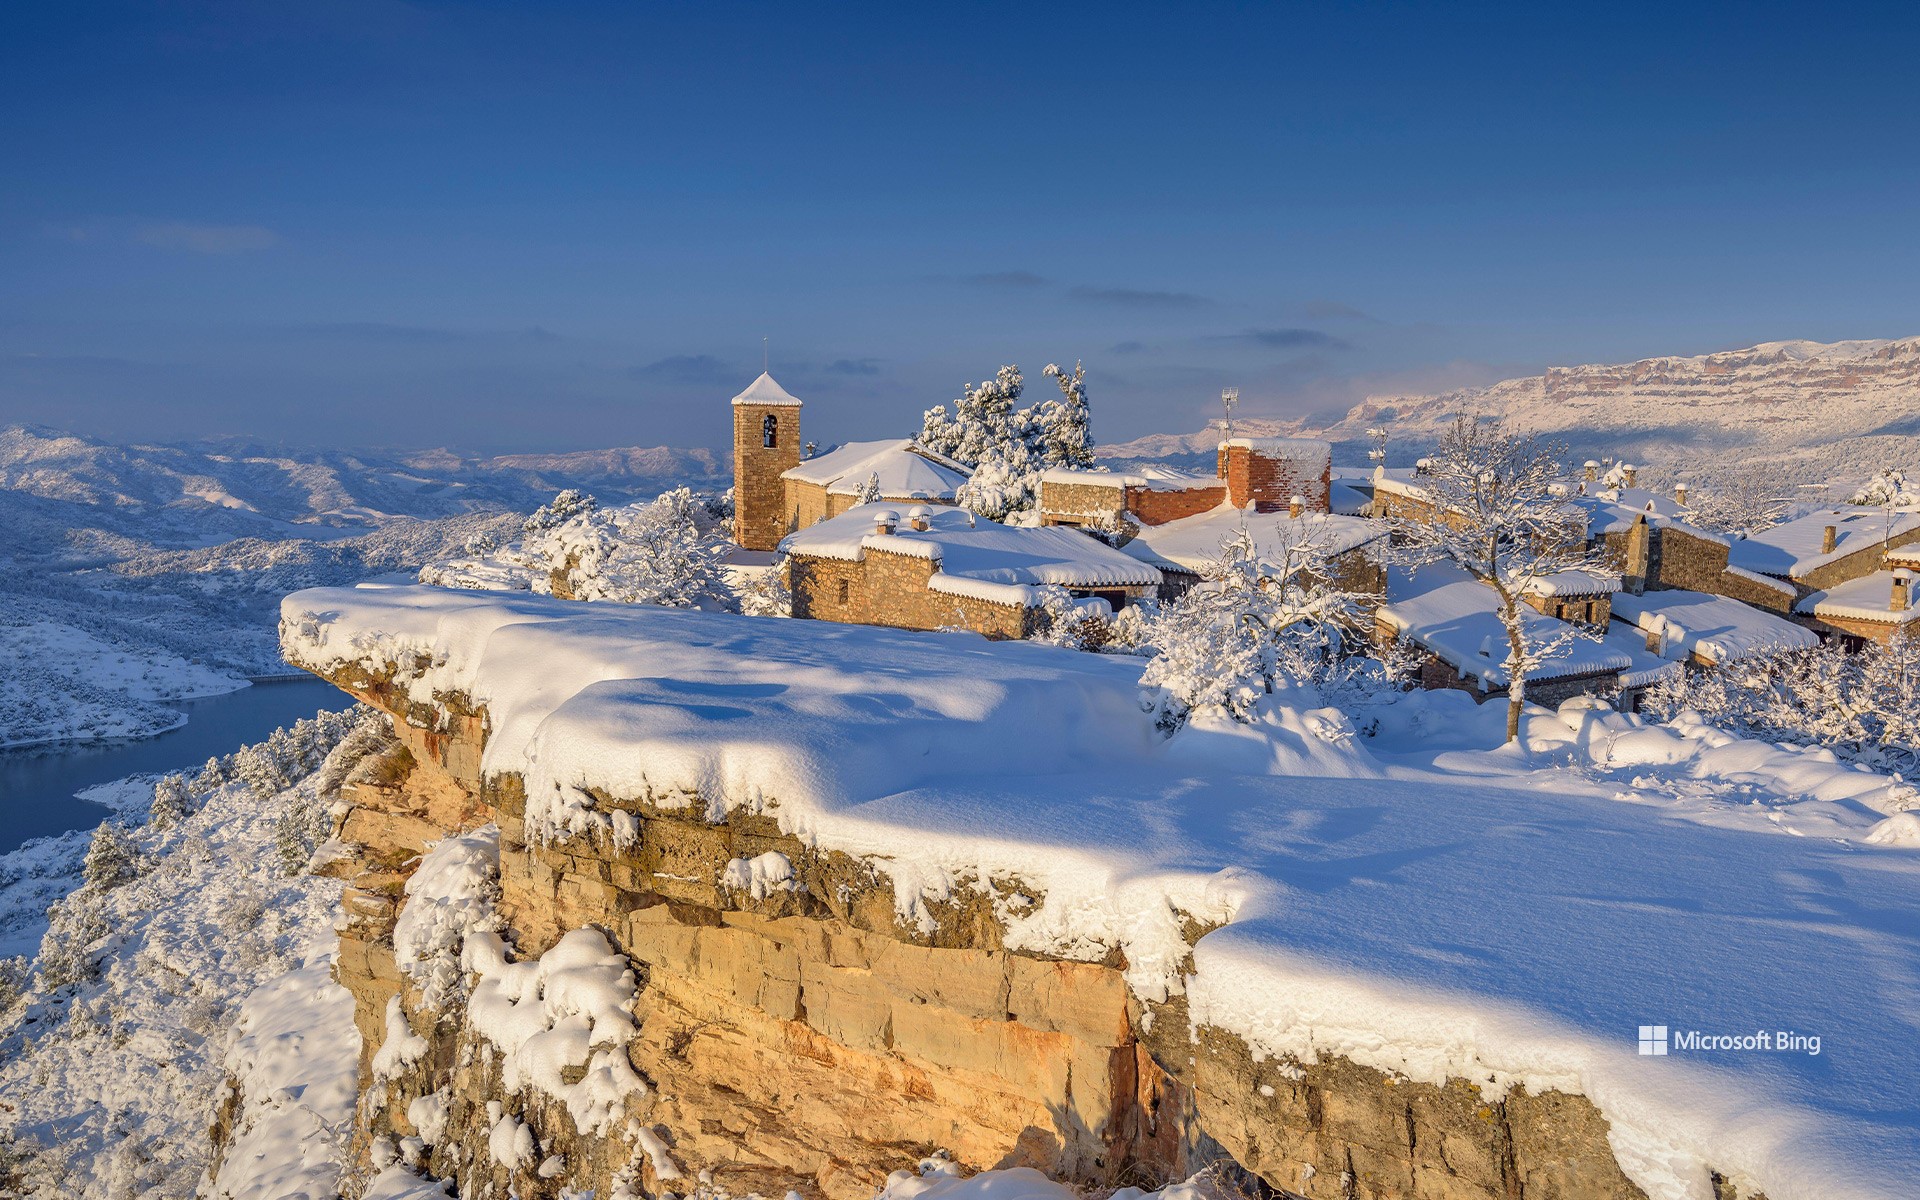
(1502, 916)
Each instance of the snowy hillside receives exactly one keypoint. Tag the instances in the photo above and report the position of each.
(1803, 409)
(187, 944)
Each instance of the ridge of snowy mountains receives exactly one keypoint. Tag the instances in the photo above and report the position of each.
(1791, 409)
(189, 494)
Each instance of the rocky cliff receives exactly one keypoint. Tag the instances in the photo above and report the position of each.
(601, 935)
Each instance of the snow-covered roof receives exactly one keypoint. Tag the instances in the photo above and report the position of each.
(1348, 499)
(1193, 542)
(1283, 447)
(978, 550)
(1863, 599)
(1717, 628)
(1616, 511)
(1574, 583)
(1904, 556)
(1152, 477)
(906, 473)
(1794, 548)
(1456, 616)
(765, 391)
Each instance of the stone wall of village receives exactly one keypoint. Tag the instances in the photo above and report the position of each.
(808, 1040)
(891, 589)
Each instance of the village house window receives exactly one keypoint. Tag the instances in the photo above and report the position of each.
(770, 431)
(843, 591)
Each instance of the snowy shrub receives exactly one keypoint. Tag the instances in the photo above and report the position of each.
(1251, 626)
(112, 859)
(1735, 506)
(669, 552)
(1888, 489)
(868, 492)
(766, 594)
(453, 893)
(172, 801)
(1863, 705)
(66, 950)
(1064, 621)
(561, 509)
(15, 973)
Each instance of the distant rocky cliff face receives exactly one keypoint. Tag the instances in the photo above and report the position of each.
(686, 996)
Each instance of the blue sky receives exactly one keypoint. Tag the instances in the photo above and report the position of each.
(550, 226)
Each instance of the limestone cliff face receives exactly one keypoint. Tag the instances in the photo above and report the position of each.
(801, 1037)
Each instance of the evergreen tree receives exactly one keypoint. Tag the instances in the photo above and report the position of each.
(1066, 424)
(111, 858)
(172, 802)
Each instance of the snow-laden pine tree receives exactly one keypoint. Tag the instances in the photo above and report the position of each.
(112, 858)
(1066, 424)
(868, 492)
(1007, 446)
(1493, 507)
(562, 508)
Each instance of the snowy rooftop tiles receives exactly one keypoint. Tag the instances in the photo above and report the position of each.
(1867, 598)
(1798, 547)
(1501, 921)
(1194, 542)
(1152, 477)
(975, 548)
(765, 391)
(1717, 628)
(904, 471)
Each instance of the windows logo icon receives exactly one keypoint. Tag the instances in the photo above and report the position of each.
(1653, 1039)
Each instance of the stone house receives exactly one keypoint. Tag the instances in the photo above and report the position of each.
(1828, 547)
(1705, 630)
(942, 568)
(1454, 619)
(1871, 608)
(1350, 546)
(1257, 474)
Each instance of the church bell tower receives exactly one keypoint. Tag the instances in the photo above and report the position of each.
(766, 441)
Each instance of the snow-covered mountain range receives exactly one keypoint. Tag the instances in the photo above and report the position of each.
(1808, 408)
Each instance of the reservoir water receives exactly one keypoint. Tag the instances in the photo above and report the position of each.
(37, 786)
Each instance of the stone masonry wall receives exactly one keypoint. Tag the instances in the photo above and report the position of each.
(760, 514)
(891, 589)
(810, 1041)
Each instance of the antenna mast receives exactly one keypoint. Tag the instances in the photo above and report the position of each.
(1229, 399)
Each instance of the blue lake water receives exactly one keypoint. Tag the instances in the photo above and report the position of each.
(37, 786)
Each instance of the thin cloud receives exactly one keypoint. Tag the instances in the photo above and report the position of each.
(1128, 347)
(205, 239)
(1285, 339)
(1334, 310)
(1007, 279)
(687, 368)
(1123, 297)
(853, 366)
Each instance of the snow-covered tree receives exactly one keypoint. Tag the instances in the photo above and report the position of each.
(172, 801)
(112, 858)
(1735, 506)
(562, 508)
(1066, 424)
(868, 492)
(1256, 622)
(1493, 508)
(1888, 489)
(669, 552)
(1007, 446)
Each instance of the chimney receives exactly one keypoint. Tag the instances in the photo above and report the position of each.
(917, 517)
(1829, 538)
(1902, 597)
(1593, 471)
(1628, 471)
(1657, 641)
(885, 520)
(1296, 506)
(1680, 492)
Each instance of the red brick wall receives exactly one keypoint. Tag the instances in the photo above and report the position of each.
(1269, 483)
(1157, 508)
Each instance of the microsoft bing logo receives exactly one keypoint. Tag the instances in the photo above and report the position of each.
(1653, 1039)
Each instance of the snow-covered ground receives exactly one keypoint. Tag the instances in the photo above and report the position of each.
(194, 946)
(1447, 910)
